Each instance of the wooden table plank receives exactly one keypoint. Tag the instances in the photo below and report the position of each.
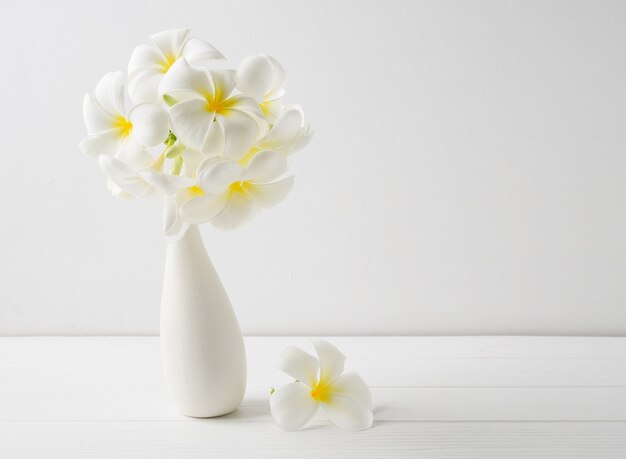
(223, 438)
(105, 397)
(383, 362)
(390, 404)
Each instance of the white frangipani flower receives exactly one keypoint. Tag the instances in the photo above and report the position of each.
(122, 180)
(227, 194)
(118, 132)
(287, 135)
(264, 79)
(149, 63)
(207, 116)
(119, 139)
(345, 398)
(214, 144)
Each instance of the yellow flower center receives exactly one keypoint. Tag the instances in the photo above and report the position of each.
(194, 191)
(214, 106)
(122, 125)
(218, 104)
(239, 187)
(321, 392)
(167, 62)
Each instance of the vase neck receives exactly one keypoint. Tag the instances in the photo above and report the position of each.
(191, 240)
(192, 233)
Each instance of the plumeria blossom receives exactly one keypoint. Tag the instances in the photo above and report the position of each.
(149, 63)
(128, 183)
(287, 135)
(320, 383)
(115, 130)
(264, 79)
(207, 116)
(213, 144)
(119, 137)
(227, 194)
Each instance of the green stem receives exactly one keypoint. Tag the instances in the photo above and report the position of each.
(178, 165)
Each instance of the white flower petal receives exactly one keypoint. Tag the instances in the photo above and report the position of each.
(144, 57)
(191, 122)
(151, 124)
(174, 227)
(181, 77)
(197, 50)
(240, 133)
(96, 119)
(114, 168)
(287, 130)
(117, 191)
(272, 109)
(270, 194)
(299, 365)
(347, 412)
(216, 178)
(122, 176)
(280, 78)
(110, 93)
(133, 187)
(301, 141)
(144, 86)
(224, 82)
(289, 124)
(238, 211)
(158, 180)
(192, 158)
(180, 181)
(265, 166)
(210, 162)
(262, 125)
(255, 76)
(292, 406)
(203, 208)
(214, 142)
(353, 385)
(171, 42)
(331, 360)
(246, 104)
(103, 143)
(133, 154)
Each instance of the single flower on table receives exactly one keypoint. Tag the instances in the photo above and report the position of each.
(320, 383)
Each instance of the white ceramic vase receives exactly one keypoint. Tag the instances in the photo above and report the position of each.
(202, 348)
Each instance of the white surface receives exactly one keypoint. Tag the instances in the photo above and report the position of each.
(433, 397)
(203, 354)
(468, 174)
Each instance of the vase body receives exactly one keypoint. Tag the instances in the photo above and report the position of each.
(202, 348)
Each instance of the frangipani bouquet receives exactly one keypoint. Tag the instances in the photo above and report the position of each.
(213, 142)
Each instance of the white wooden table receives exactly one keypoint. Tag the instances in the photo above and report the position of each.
(476, 397)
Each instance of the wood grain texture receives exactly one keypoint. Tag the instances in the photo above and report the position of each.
(434, 397)
(221, 438)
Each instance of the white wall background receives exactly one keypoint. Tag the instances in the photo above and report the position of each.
(468, 174)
